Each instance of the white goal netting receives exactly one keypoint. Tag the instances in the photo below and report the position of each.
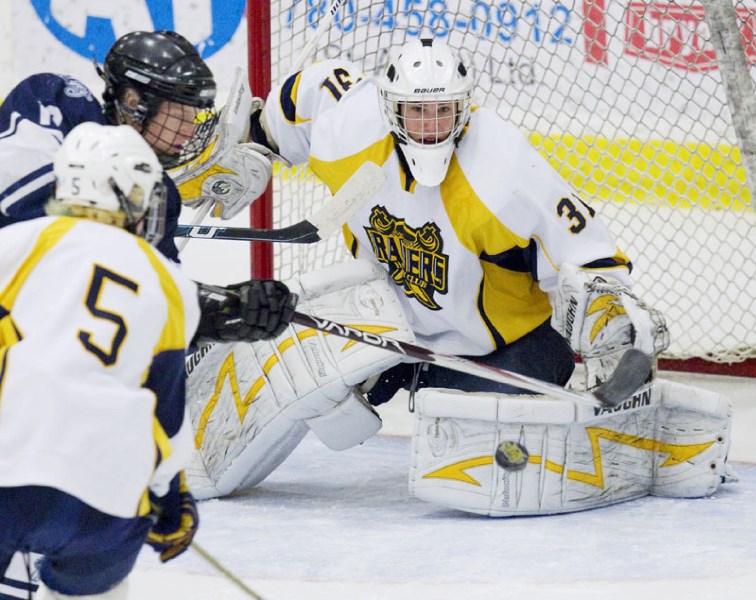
(625, 98)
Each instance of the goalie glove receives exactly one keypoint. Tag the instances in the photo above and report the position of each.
(228, 173)
(175, 520)
(231, 181)
(600, 318)
(249, 311)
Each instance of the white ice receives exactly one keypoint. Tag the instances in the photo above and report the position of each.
(341, 525)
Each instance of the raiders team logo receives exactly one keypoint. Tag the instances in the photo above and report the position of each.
(413, 256)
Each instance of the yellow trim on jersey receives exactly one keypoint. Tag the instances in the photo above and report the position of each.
(9, 334)
(511, 302)
(163, 443)
(3, 367)
(335, 173)
(173, 335)
(352, 243)
(291, 98)
(46, 240)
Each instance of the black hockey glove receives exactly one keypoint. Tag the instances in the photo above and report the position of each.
(253, 310)
(176, 520)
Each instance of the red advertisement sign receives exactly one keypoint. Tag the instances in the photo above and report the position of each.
(670, 34)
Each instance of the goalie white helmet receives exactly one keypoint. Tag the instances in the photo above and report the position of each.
(110, 174)
(426, 93)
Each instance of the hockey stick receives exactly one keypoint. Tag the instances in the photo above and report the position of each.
(357, 190)
(225, 572)
(324, 23)
(631, 372)
(234, 118)
(202, 212)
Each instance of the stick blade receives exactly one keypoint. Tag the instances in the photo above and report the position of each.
(631, 373)
(351, 197)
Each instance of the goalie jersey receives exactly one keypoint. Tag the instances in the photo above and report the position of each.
(93, 328)
(34, 118)
(473, 258)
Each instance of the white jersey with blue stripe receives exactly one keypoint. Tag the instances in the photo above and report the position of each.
(94, 324)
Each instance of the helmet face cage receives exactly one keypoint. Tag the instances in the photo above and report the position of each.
(145, 217)
(428, 119)
(110, 174)
(167, 74)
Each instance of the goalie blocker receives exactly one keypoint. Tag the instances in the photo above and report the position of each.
(667, 440)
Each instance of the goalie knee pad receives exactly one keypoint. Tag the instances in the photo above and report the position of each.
(668, 440)
(252, 403)
(349, 423)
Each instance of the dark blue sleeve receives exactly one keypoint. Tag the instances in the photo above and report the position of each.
(34, 118)
(167, 245)
(167, 379)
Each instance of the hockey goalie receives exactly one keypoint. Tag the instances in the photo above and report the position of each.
(252, 403)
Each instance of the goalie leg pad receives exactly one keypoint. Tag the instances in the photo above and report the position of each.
(694, 437)
(246, 397)
(667, 440)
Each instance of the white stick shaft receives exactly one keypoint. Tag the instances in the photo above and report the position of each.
(324, 24)
(225, 572)
(200, 215)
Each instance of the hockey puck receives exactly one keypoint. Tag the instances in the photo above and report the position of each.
(511, 456)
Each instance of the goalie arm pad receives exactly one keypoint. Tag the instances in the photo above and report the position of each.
(669, 440)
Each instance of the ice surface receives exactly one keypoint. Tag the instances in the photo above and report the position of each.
(342, 525)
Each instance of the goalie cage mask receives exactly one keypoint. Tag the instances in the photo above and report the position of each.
(426, 94)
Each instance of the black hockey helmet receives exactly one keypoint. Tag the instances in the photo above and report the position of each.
(160, 66)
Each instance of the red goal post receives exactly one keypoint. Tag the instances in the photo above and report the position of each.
(646, 107)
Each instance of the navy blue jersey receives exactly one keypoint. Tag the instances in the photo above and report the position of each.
(34, 118)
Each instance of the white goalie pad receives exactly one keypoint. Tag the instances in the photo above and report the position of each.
(252, 403)
(668, 440)
(601, 319)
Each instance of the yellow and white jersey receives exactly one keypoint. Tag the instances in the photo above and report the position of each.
(94, 324)
(474, 257)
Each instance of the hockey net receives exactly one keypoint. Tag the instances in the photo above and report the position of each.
(625, 98)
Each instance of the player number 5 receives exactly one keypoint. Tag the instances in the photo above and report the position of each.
(101, 276)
